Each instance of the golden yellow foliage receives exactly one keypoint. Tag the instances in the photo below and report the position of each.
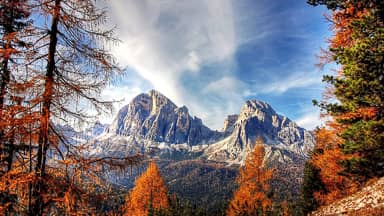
(149, 192)
(251, 198)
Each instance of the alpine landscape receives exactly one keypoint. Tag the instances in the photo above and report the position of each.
(191, 108)
(194, 156)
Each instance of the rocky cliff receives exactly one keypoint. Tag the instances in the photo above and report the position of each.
(283, 138)
(153, 122)
(154, 117)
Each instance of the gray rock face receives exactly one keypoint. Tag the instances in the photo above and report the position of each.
(229, 123)
(282, 136)
(154, 117)
(151, 121)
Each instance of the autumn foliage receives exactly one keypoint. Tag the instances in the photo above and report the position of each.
(51, 71)
(149, 193)
(251, 197)
(350, 150)
(327, 157)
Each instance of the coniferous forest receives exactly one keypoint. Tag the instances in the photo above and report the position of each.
(57, 59)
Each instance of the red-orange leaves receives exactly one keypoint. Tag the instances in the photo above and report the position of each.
(149, 192)
(327, 159)
(364, 113)
(251, 198)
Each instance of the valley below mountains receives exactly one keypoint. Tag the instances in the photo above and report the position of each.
(199, 164)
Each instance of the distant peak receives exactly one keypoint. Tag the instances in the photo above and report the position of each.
(182, 109)
(159, 100)
(258, 104)
(154, 92)
(256, 107)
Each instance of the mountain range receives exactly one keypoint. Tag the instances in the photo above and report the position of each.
(152, 122)
(200, 164)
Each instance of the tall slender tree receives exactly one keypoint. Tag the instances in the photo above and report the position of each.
(358, 47)
(13, 21)
(149, 193)
(61, 78)
(78, 66)
(251, 197)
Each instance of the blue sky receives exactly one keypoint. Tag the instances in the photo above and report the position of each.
(213, 55)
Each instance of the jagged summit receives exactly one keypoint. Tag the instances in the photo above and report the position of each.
(159, 100)
(261, 110)
(257, 105)
(257, 118)
(151, 120)
(251, 108)
(154, 117)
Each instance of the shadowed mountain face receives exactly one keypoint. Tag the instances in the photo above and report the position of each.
(154, 117)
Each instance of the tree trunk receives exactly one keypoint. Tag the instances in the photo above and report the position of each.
(46, 110)
(5, 78)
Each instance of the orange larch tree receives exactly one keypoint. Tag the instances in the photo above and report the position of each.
(13, 23)
(251, 197)
(327, 157)
(65, 65)
(149, 193)
(14, 114)
(76, 67)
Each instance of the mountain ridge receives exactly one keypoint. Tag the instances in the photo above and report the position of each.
(151, 121)
(257, 118)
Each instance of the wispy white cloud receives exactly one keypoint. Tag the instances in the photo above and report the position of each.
(294, 80)
(310, 120)
(176, 46)
(162, 40)
(225, 86)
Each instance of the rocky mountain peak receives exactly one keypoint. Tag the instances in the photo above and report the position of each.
(256, 119)
(257, 104)
(256, 108)
(154, 117)
(152, 102)
(159, 101)
(151, 120)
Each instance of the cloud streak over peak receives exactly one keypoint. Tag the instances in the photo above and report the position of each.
(213, 55)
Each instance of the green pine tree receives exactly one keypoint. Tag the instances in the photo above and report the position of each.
(359, 89)
(312, 183)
